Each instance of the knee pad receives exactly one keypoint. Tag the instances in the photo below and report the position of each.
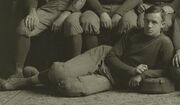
(90, 22)
(157, 85)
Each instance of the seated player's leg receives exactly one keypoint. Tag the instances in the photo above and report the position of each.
(73, 30)
(33, 77)
(24, 34)
(91, 26)
(128, 22)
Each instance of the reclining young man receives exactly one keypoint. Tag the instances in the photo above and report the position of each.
(143, 54)
(50, 15)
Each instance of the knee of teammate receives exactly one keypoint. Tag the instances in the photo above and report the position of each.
(128, 22)
(22, 30)
(72, 25)
(125, 26)
(90, 23)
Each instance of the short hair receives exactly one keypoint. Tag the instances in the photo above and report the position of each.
(156, 9)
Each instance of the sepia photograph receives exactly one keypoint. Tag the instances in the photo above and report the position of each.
(89, 52)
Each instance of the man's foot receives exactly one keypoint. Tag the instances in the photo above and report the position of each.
(15, 83)
(30, 71)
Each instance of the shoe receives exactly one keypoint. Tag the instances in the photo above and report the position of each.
(30, 71)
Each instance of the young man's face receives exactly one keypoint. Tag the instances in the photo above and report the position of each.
(153, 23)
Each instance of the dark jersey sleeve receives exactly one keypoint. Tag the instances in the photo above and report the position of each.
(166, 53)
(113, 59)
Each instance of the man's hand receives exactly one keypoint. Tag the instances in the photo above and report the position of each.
(141, 68)
(135, 81)
(141, 8)
(115, 20)
(176, 59)
(105, 21)
(31, 20)
(57, 24)
(168, 9)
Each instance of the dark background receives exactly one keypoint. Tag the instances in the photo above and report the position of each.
(7, 39)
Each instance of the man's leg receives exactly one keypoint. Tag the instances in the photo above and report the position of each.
(84, 64)
(23, 46)
(19, 83)
(84, 85)
(24, 35)
(73, 30)
(91, 27)
(128, 22)
(176, 31)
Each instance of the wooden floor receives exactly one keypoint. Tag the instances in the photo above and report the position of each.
(41, 96)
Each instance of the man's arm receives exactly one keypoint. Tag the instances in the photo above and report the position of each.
(166, 54)
(176, 40)
(114, 62)
(76, 5)
(126, 6)
(176, 31)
